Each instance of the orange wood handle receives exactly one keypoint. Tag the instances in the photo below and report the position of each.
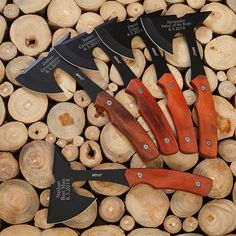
(128, 126)
(154, 117)
(180, 114)
(206, 115)
(169, 179)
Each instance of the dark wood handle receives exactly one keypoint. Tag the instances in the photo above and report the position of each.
(127, 125)
(207, 124)
(169, 179)
(154, 117)
(180, 114)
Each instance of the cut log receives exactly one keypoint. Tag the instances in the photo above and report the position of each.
(217, 170)
(190, 224)
(40, 219)
(27, 106)
(137, 43)
(78, 141)
(21, 230)
(6, 89)
(221, 76)
(152, 6)
(112, 9)
(184, 204)
(104, 230)
(70, 152)
(81, 98)
(61, 143)
(231, 4)
(2, 71)
(108, 188)
(190, 97)
(44, 198)
(2, 4)
(36, 160)
(62, 231)
(38, 130)
(231, 75)
(127, 223)
(31, 6)
(147, 205)
(90, 5)
(115, 145)
(174, 1)
(75, 165)
(2, 111)
(204, 35)
(9, 168)
(66, 120)
(217, 217)
(227, 150)
(30, 40)
(92, 133)
(13, 135)
(16, 66)
(172, 224)
(63, 13)
(88, 21)
(227, 89)
(113, 87)
(125, 2)
(3, 27)
(62, 32)
(179, 9)
(135, 9)
(233, 167)
(136, 162)
(7, 51)
(220, 48)
(87, 217)
(11, 11)
(196, 4)
(51, 138)
(18, 201)
(234, 193)
(100, 55)
(148, 231)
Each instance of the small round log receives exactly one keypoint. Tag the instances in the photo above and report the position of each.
(3, 4)
(21, 230)
(44, 198)
(227, 89)
(204, 35)
(29, 39)
(70, 152)
(220, 173)
(27, 106)
(2, 111)
(231, 75)
(36, 160)
(135, 9)
(231, 4)
(2, 71)
(62, 32)
(7, 51)
(113, 87)
(3, 27)
(16, 66)
(13, 135)
(31, 6)
(100, 55)
(227, 150)
(221, 76)
(190, 97)
(111, 209)
(184, 204)
(6, 89)
(152, 5)
(147, 205)
(62, 231)
(172, 224)
(179, 9)
(190, 224)
(196, 4)
(11, 11)
(88, 21)
(127, 223)
(112, 9)
(61, 142)
(81, 98)
(148, 231)
(51, 138)
(66, 120)
(218, 49)
(9, 168)
(63, 13)
(18, 201)
(78, 141)
(75, 165)
(92, 133)
(104, 230)
(90, 5)
(40, 219)
(87, 217)
(217, 217)
(90, 154)
(137, 43)
(108, 188)
(38, 130)
(115, 145)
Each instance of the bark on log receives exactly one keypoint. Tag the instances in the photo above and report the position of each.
(21, 230)
(7, 51)
(38, 130)
(104, 230)
(190, 224)
(6, 89)
(40, 219)
(172, 224)
(127, 223)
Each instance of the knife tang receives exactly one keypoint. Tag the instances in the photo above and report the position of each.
(169, 179)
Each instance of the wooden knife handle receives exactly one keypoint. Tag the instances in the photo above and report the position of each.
(128, 125)
(154, 117)
(180, 114)
(169, 179)
(206, 115)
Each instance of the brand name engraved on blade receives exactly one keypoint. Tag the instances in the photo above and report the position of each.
(89, 42)
(176, 25)
(134, 29)
(97, 175)
(63, 189)
(50, 64)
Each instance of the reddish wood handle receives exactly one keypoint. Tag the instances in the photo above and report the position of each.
(154, 117)
(206, 115)
(180, 114)
(169, 179)
(128, 126)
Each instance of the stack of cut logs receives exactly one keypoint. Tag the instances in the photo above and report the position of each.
(30, 123)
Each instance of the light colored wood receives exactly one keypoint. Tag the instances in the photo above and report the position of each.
(218, 49)
(2, 111)
(137, 43)
(75, 165)
(92, 133)
(218, 217)
(16, 66)
(62, 32)
(203, 34)
(231, 74)
(3, 28)
(63, 231)
(179, 9)
(21, 230)
(2, 4)
(135, 9)
(87, 217)
(148, 231)
(233, 167)
(227, 89)
(63, 13)
(190, 97)
(30, 40)
(136, 162)
(107, 188)
(66, 120)
(227, 150)
(100, 55)
(44, 198)
(40, 219)
(90, 5)
(31, 6)
(13, 135)
(172, 224)
(184, 204)
(147, 205)
(6, 89)
(143, 123)
(104, 230)
(7, 51)
(51, 138)
(27, 106)
(220, 173)
(125, 2)
(81, 98)
(19, 201)
(152, 5)
(234, 193)
(70, 152)
(113, 87)
(115, 145)
(90, 154)
(111, 209)
(190, 224)
(11, 11)
(196, 4)
(78, 141)
(127, 223)
(88, 21)
(2, 71)
(61, 142)
(112, 9)
(9, 168)
(38, 130)
(221, 76)
(174, 1)
(231, 4)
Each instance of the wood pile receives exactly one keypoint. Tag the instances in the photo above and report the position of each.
(30, 123)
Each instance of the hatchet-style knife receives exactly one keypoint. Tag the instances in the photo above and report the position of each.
(39, 77)
(121, 34)
(162, 29)
(65, 204)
